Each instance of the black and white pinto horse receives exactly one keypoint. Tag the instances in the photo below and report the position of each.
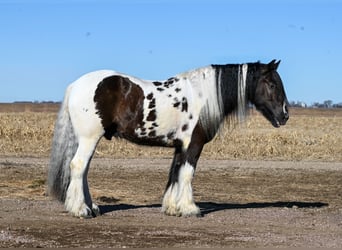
(184, 112)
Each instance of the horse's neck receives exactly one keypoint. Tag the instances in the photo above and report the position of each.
(227, 81)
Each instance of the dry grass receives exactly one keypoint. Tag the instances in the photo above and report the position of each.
(309, 135)
(305, 137)
(26, 133)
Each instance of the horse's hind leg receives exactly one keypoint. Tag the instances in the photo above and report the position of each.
(78, 200)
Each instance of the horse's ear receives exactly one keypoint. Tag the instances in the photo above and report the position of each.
(273, 65)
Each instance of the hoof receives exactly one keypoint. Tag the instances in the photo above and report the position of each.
(88, 213)
(188, 211)
(95, 210)
(191, 211)
(84, 213)
(80, 211)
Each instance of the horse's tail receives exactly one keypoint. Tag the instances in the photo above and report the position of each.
(64, 146)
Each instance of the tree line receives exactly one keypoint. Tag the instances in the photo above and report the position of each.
(325, 104)
(300, 104)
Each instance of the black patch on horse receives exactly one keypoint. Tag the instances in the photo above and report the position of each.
(184, 105)
(170, 82)
(149, 96)
(152, 133)
(157, 83)
(151, 116)
(176, 104)
(185, 127)
(170, 135)
(152, 103)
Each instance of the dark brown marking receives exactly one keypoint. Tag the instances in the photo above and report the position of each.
(151, 116)
(119, 104)
(190, 116)
(169, 95)
(160, 89)
(155, 124)
(178, 89)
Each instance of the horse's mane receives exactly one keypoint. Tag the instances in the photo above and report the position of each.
(227, 100)
(204, 83)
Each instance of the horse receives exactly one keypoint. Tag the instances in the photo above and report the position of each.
(184, 112)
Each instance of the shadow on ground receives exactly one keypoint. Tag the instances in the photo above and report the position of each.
(210, 207)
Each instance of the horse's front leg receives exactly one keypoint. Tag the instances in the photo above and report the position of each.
(178, 197)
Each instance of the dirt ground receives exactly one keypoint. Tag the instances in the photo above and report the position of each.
(244, 204)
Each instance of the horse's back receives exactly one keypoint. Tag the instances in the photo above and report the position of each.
(92, 78)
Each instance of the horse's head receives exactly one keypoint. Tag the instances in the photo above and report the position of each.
(269, 97)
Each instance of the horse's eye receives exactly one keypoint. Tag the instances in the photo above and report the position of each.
(272, 85)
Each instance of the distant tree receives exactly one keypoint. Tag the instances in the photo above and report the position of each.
(328, 103)
(292, 103)
(299, 104)
(337, 105)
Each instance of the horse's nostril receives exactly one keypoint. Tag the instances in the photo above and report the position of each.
(286, 116)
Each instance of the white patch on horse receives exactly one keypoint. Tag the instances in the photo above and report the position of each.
(88, 129)
(242, 100)
(211, 103)
(178, 199)
(284, 108)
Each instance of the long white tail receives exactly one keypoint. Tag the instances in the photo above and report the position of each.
(64, 146)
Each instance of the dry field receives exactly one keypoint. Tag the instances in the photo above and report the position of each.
(310, 134)
(256, 186)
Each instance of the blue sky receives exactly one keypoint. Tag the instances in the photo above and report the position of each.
(45, 45)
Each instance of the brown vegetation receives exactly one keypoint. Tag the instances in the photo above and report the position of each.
(311, 134)
(258, 203)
